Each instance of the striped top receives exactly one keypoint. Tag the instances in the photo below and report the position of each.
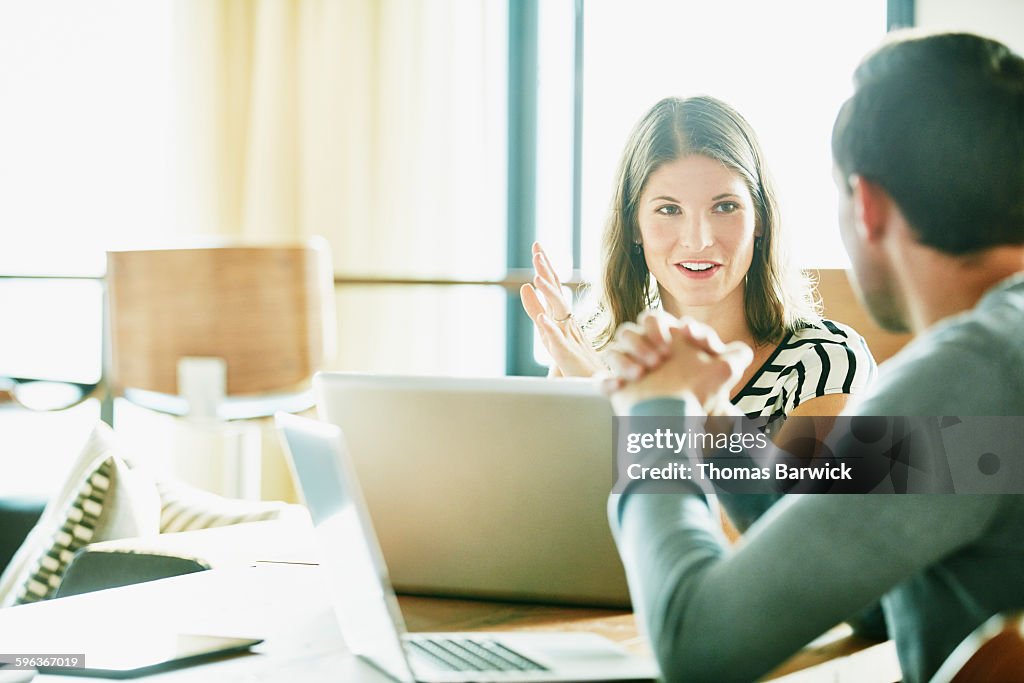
(816, 360)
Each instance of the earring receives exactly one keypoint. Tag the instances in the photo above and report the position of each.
(757, 242)
(638, 248)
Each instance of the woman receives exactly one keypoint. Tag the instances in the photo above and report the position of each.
(694, 229)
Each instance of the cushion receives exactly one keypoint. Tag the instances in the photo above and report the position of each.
(185, 508)
(101, 499)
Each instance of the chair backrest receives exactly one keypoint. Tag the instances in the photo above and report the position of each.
(841, 304)
(266, 310)
(993, 652)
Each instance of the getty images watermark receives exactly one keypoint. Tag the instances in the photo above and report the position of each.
(884, 454)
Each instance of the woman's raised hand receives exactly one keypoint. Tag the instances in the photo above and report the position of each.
(561, 335)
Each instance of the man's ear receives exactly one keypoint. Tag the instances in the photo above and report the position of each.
(871, 207)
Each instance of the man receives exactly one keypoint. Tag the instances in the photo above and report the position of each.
(929, 159)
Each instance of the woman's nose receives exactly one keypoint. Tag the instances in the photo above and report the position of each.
(696, 233)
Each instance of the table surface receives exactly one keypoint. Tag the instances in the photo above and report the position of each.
(836, 656)
(284, 604)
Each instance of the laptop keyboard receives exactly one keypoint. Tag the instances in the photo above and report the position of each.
(464, 654)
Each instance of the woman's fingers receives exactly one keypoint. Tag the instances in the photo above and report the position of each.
(548, 285)
(542, 264)
(545, 303)
(531, 302)
(551, 290)
(566, 352)
(537, 303)
(552, 341)
(556, 304)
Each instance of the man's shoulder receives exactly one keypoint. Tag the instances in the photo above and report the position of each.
(987, 335)
(970, 364)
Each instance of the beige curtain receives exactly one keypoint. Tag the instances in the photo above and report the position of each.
(379, 124)
(366, 121)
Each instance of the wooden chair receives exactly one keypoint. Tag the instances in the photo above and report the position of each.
(219, 334)
(993, 652)
(266, 312)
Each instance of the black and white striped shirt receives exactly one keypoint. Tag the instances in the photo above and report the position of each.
(818, 359)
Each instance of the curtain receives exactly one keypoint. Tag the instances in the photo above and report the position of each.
(376, 123)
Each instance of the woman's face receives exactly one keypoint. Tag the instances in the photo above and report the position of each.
(696, 219)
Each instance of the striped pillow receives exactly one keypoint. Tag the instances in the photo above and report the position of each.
(140, 514)
(99, 444)
(78, 530)
(109, 502)
(185, 508)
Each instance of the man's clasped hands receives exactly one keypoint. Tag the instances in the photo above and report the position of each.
(660, 356)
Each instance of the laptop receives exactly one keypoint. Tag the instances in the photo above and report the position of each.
(367, 609)
(493, 488)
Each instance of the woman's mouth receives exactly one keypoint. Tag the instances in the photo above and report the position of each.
(698, 270)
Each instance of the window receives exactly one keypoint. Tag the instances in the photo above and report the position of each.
(85, 128)
(85, 132)
(786, 66)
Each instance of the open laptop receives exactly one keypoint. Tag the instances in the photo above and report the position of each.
(484, 487)
(367, 610)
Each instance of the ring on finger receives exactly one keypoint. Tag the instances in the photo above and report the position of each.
(567, 318)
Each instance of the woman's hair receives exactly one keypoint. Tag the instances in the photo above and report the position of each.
(777, 297)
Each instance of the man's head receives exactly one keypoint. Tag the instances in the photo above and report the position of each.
(935, 128)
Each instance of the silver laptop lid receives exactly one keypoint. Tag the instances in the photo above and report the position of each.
(364, 602)
(484, 487)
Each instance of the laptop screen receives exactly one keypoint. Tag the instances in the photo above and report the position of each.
(365, 606)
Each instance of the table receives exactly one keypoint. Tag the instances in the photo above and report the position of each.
(837, 656)
(284, 603)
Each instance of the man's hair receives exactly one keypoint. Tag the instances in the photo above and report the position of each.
(938, 122)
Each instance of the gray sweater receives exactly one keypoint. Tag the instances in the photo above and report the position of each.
(941, 564)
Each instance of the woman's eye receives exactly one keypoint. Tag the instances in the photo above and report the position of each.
(726, 207)
(668, 210)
